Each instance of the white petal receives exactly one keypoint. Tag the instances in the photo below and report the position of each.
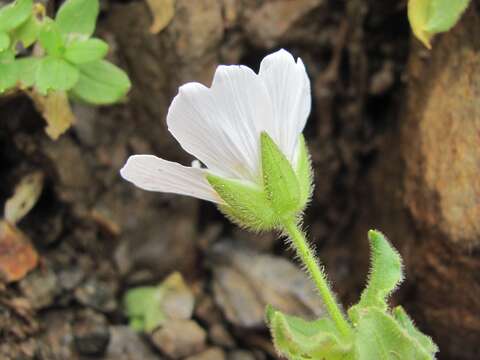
(221, 125)
(289, 89)
(151, 173)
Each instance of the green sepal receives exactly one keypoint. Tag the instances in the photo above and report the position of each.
(14, 14)
(51, 39)
(299, 339)
(100, 83)
(78, 17)
(81, 52)
(378, 336)
(407, 324)
(55, 74)
(304, 173)
(4, 41)
(245, 204)
(279, 179)
(385, 275)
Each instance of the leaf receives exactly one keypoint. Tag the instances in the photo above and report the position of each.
(378, 336)
(385, 272)
(4, 41)
(407, 324)
(51, 39)
(78, 17)
(246, 204)
(163, 12)
(279, 178)
(296, 338)
(56, 111)
(55, 74)
(80, 52)
(24, 198)
(429, 17)
(8, 75)
(100, 83)
(26, 71)
(14, 14)
(17, 255)
(28, 32)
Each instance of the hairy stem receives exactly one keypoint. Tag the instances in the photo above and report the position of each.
(308, 258)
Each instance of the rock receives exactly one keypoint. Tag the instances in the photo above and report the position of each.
(212, 353)
(96, 294)
(246, 281)
(240, 355)
(91, 334)
(125, 344)
(178, 301)
(40, 288)
(218, 335)
(179, 338)
(207, 311)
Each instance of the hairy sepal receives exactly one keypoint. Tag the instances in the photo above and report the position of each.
(245, 204)
(296, 338)
(304, 173)
(279, 179)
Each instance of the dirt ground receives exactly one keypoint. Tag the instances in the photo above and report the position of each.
(394, 136)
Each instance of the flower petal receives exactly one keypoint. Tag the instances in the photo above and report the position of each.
(221, 125)
(151, 173)
(289, 89)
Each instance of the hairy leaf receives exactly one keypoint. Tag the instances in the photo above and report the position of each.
(304, 173)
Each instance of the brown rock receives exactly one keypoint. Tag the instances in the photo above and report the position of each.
(125, 344)
(212, 353)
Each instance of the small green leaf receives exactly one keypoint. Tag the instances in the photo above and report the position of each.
(100, 83)
(78, 17)
(279, 179)
(51, 39)
(296, 338)
(27, 69)
(246, 204)
(80, 52)
(14, 14)
(28, 32)
(4, 41)
(385, 273)
(304, 173)
(380, 337)
(407, 324)
(430, 17)
(8, 76)
(55, 74)
(143, 307)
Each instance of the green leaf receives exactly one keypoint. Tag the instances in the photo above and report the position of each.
(14, 14)
(385, 274)
(246, 204)
(51, 39)
(8, 76)
(304, 173)
(28, 32)
(380, 337)
(78, 17)
(279, 179)
(100, 83)
(429, 17)
(80, 52)
(4, 41)
(407, 324)
(143, 307)
(27, 69)
(55, 74)
(296, 338)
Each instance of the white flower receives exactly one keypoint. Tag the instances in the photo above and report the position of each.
(221, 126)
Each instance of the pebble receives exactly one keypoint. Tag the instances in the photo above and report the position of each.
(40, 288)
(91, 334)
(179, 338)
(218, 335)
(213, 353)
(240, 355)
(125, 344)
(97, 295)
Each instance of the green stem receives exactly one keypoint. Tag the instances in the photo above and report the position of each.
(318, 276)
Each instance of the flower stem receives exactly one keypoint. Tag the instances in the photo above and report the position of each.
(319, 277)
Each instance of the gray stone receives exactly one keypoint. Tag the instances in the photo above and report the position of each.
(91, 334)
(125, 344)
(213, 353)
(240, 355)
(179, 338)
(40, 288)
(97, 295)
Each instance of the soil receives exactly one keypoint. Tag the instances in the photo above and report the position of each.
(393, 134)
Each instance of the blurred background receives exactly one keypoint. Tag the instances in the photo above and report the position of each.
(394, 135)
